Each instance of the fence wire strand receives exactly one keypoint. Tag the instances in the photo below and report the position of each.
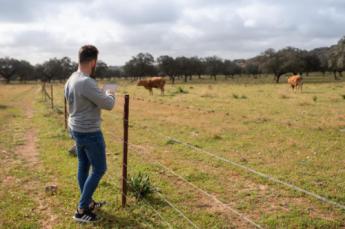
(245, 218)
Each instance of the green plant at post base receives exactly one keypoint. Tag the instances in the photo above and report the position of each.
(140, 186)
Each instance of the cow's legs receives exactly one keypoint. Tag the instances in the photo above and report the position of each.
(151, 92)
(162, 90)
(293, 88)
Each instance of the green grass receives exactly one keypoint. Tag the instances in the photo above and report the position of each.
(295, 137)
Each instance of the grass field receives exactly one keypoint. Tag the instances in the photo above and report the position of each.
(294, 137)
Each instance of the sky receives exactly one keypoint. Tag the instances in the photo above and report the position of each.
(36, 30)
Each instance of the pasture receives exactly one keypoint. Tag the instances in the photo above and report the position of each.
(294, 137)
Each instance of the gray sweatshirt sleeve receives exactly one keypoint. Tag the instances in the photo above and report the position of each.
(97, 96)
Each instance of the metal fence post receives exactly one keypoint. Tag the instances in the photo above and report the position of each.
(51, 96)
(125, 150)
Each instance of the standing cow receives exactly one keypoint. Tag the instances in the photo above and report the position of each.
(295, 81)
(153, 82)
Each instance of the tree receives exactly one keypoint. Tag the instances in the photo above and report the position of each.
(140, 65)
(167, 66)
(312, 62)
(214, 66)
(183, 67)
(284, 61)
(68, 67)
(323, 56)
(51, 69)
(8, 68)
(252, 69)
(102, 70)
(25, 71)
(228, 68)
(197, 66)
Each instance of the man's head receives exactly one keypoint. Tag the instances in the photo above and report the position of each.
(88, 55)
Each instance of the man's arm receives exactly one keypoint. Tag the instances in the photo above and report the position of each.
(97, 96)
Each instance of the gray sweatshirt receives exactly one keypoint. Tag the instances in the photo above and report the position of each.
(85, 101)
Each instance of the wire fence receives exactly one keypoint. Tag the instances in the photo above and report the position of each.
(269, 177)
(212, 197)
(246, 168)
(50, 97)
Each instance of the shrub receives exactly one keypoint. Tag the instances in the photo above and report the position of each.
(140, 186)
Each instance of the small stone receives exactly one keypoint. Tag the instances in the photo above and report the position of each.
(51, 189)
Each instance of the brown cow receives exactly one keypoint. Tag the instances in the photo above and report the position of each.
(153, 82)
(295, 82)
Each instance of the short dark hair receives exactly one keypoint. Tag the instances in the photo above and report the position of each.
(87, 53)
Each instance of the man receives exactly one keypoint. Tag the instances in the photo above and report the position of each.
(85, 101)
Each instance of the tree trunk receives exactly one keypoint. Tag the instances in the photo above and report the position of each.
(335, 75)
(172, 78)
(277, 77)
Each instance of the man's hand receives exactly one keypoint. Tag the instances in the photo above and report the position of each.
(109, 92)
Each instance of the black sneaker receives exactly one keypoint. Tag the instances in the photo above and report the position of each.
(96, 205)
(86, 217)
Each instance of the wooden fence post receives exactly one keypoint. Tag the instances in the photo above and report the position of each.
(51, 96)
(65, 112)
(125, 150)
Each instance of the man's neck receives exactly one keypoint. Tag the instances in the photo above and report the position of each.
(84, 70)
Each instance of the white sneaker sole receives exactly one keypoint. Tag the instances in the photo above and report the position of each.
(85, 221)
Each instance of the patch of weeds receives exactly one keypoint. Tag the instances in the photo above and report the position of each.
(343, 96)
(179, 90)
(235, 96)
(171, 142)
(284, 96)
(140, 186)
(315, 98)
(217, 137)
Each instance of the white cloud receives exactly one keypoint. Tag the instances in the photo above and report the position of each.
(38, 30)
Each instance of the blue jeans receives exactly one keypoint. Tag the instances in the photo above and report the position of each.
(91, 152)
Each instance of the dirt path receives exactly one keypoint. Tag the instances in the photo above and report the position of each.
(30, 154)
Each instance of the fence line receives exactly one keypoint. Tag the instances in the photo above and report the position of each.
(212, 197)
(46, 95)
(150, 205)
(178, 210)
(157, 213)
(266, 176)
(135, 147)
(169, 203)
